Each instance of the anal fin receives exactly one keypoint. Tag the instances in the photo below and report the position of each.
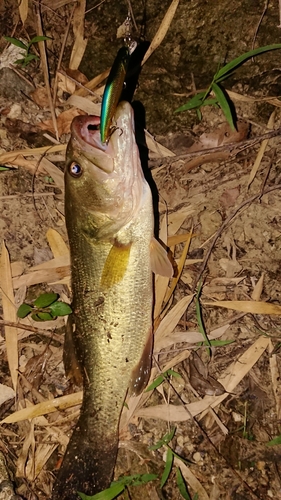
(141, 372)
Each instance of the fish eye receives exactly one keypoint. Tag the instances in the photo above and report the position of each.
(75, 169)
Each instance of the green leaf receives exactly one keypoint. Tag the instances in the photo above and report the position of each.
(158, 381)
(60, 309)
(232, 65)
(183, 460)
(107, 494)
(168, 467)
(2, 168)
(182, 486)
(274, 441)
(16, 42)
(46, 299)
(19, 61)
(28, 58)
(39, 39)
(118, 487)
(194, 102)
(42, 316)
(139, 479)
(24, 310)
(173, 373)
(165, 440)
(221, 96)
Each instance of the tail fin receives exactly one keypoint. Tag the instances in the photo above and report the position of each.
(87, 467)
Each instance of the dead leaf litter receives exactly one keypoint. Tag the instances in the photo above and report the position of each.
(223, 395)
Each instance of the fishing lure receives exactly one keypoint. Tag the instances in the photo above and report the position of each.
(113, 90)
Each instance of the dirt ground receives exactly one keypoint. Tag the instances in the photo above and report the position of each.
(217, 199)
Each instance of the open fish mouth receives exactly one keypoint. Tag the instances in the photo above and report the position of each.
(85, 131)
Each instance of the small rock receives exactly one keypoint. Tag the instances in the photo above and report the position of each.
(12, 86)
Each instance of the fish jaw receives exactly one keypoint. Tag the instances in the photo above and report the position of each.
(112, 179)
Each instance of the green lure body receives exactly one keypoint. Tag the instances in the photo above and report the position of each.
(112, 91)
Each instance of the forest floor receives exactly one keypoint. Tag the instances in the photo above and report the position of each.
(218, 206)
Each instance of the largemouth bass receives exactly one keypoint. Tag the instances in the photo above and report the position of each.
(109, 219)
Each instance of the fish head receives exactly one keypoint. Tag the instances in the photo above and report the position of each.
(103, 182)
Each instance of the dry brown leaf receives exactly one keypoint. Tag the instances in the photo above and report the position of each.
(54, 172)
(256, 294)
(18, 268)
(6, 393)
(41, 276)
(12, 156)
(179, 238)
(223, 134)
(64, 121)
(263, 146)
(157, 148)
(247, 306)
(176, 219)
(275, 378)
(47, 407)
(40, 96)
(23, 10)
(229, 197)
(200, 379)
(92, 108)
(170, 321)
(9, 314)
(80, 42)
(57, 244)
(36, 463)
(29, 442)
(137, 402)
(57, 262)
(191, 337)
(191, 479)
(92, 84)
(231, 377)
(65, 83)
(181, 264)
(162, 30)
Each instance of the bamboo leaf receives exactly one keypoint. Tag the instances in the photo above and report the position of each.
(221, 96)
(168, 467)
(165, 440)
(182, 486)
(16, 42)
(232, 65)
(107, 494)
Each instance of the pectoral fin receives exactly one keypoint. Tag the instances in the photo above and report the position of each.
(141, 372)
(115, 265)
(160, 263)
